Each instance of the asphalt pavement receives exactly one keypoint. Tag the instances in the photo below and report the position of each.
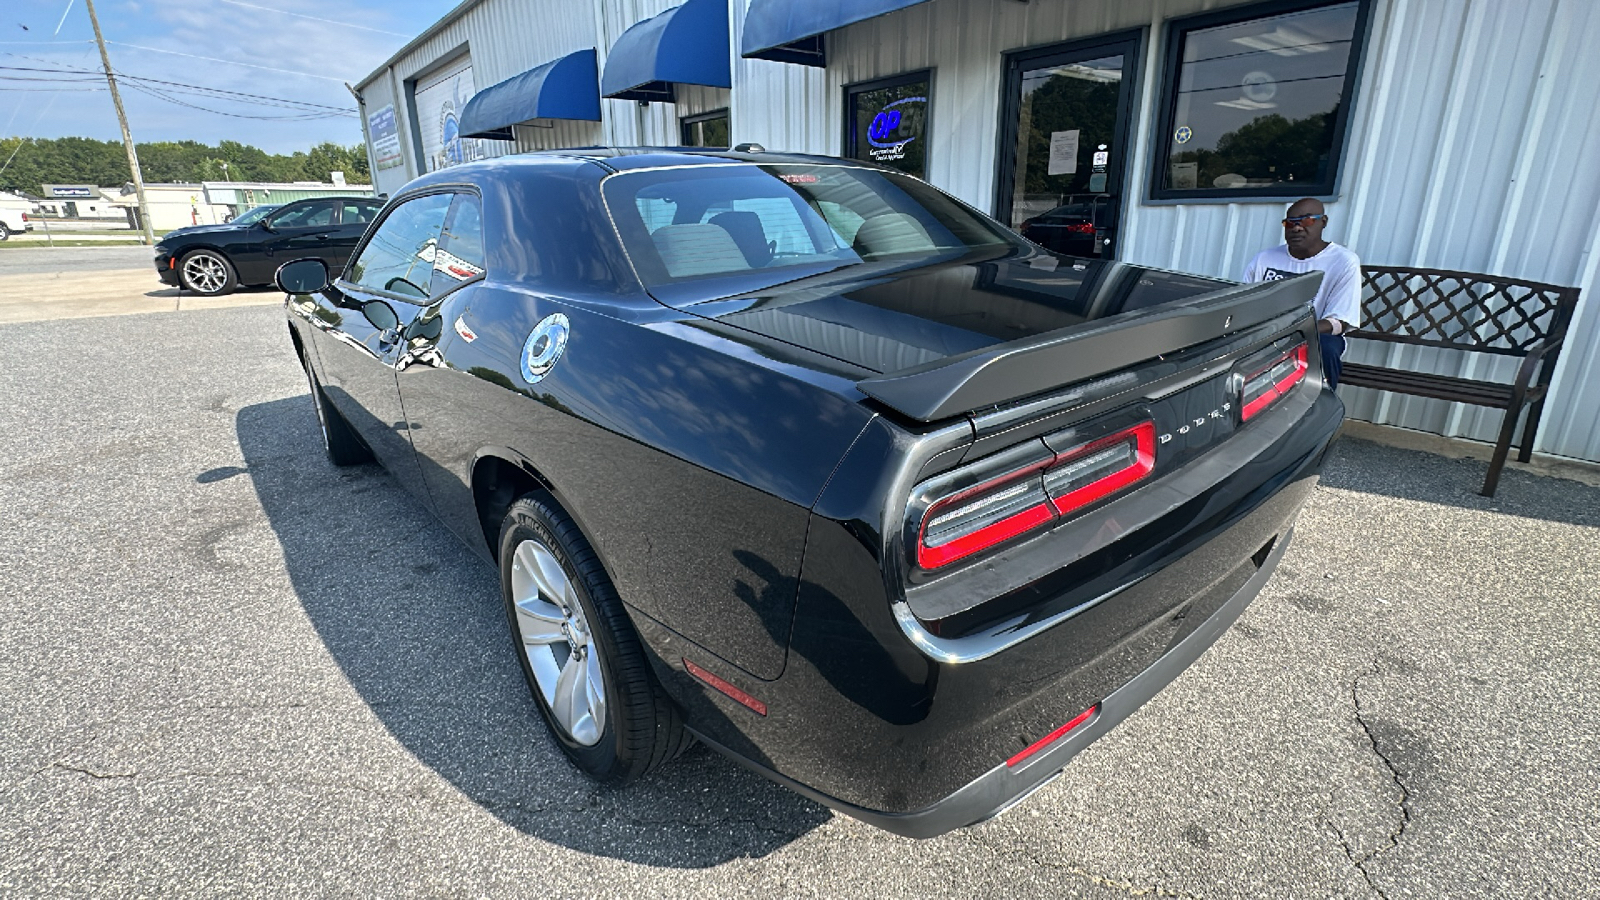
(52, 261)
(228, 668)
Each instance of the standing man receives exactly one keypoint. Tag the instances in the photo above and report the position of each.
(1338, 302)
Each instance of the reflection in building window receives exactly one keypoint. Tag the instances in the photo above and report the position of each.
(1257, 104)
(708, 130)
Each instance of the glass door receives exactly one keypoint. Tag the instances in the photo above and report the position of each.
(1065, 135)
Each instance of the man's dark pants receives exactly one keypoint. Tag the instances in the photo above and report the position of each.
(1332, 358)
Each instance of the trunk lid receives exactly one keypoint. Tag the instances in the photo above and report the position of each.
(940, 340)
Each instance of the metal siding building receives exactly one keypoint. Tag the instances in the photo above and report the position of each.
(1465, 147)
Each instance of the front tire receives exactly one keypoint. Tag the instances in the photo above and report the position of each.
(579, 651)
(207, 273)
(338, 439)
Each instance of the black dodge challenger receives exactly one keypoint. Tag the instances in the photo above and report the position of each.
(807, 460)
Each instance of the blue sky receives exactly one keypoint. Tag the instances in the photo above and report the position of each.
(296, 49)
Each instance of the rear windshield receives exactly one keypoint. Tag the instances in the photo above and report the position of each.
(788, 221)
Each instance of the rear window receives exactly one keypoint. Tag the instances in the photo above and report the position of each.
(787, 220)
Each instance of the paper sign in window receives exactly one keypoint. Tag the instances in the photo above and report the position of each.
(1063, 153)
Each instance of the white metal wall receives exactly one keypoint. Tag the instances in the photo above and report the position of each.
(1469, 146)
(1467, 151)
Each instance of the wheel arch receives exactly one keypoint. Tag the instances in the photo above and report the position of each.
(499, 477)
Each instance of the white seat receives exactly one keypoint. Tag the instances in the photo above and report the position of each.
(702, 249)
(891, 233)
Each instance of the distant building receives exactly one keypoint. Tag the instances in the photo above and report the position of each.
(79, 201)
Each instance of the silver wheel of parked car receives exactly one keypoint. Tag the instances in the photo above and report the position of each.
(555, 637)
(206, 272)
(578, 648)
(5, 233)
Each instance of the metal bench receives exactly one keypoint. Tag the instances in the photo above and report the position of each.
(1472, 313)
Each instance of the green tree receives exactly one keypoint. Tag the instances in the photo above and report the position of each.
(75, 160)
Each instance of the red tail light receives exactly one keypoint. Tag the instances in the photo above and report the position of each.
(1081, 227)
(977, 519)
(1019, 502)
(1267, 384)
(1101, 468)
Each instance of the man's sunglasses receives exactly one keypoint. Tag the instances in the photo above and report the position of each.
(1303, 221)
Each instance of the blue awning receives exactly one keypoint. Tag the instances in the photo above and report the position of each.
(566, 88)
(687, 44)
(791, 30)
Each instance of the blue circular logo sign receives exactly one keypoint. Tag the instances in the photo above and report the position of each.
(1183, 134)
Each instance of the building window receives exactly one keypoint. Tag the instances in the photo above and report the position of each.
(1257, 100)
(886, 121)
(708, 130)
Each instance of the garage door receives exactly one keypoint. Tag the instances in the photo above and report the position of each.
(439, 99)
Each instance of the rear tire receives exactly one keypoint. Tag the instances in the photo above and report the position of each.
(5, 233)
(338, 439)
(581, 656)
(207, 273)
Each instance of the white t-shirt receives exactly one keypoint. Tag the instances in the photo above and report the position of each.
(1339, 298)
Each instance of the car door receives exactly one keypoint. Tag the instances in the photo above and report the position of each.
(299, 230)
(429, 388)
(375, 302)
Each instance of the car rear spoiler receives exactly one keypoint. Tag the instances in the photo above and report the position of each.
(994, 375)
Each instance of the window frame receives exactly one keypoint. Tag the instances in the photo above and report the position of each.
(852, 93)
(454, 190)
(696, 119)
(1173, 34)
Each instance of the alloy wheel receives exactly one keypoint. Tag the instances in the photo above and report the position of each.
(555, 637)
(204, 273)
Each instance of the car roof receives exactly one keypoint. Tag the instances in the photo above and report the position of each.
(620, 159)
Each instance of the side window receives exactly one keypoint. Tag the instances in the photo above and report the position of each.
(399, 258)
(312, 215)
(354, 212)
(460, 255)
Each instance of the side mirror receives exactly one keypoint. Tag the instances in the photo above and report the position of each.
(302, 276)
(381, 315)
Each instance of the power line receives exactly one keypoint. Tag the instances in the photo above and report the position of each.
(233, 62)
(145, 89)
(175, 84)
(314, 18)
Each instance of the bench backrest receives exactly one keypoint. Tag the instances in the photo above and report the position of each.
(1462, 310)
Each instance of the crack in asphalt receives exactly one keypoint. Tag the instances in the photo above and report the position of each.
(1361, 860)
(83, 770)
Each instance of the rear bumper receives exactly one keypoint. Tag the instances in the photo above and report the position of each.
(1005, 785)
(913, 736)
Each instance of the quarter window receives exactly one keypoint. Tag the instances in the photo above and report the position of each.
(1258, 100)
(354, 213)
(460, 254)
(399, 258)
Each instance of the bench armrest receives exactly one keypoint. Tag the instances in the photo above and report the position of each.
(1530, 364)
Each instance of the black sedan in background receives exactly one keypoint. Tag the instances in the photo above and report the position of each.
(809, 461)
(214, 259)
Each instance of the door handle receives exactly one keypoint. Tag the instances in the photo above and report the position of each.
(322, 237)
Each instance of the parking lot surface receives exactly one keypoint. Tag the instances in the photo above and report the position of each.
(229, 668)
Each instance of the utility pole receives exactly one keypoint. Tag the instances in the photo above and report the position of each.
(122, 119)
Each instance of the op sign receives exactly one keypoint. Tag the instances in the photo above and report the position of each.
(888, 123)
